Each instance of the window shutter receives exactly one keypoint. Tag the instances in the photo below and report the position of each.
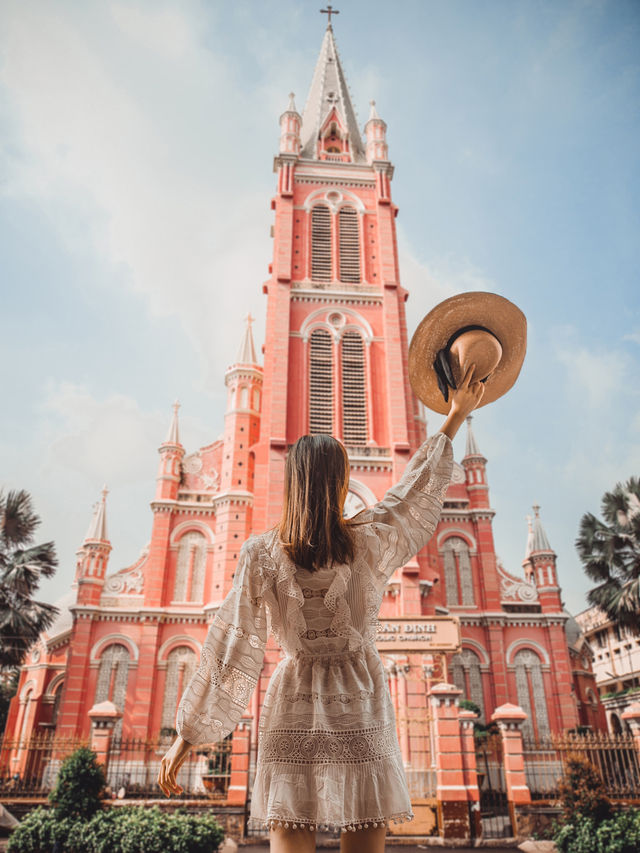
(321, 243)
(354, 406)
(321, 382)
(349, 245)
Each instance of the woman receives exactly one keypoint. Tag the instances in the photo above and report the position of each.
(328, 753)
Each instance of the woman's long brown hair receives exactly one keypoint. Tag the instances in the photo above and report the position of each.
(312, 529)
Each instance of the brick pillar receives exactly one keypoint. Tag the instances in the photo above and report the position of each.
(238, 791)
(470, 770)
(510, 719)
(103, 718)
(632, 717)
(451, 791)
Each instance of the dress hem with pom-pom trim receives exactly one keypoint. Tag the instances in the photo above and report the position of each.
(352, 826)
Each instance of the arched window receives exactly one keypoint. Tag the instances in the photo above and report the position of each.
(531, 695)
(458, 580)
(349, 233)
(467, 676)
(244, 397)
(321, 382)
(113, 676)
(256, 399)
(26, 716)
(616, 725)
(354, 407)
(190, 565)
(181, 664)
(57, 696)
(321, 243)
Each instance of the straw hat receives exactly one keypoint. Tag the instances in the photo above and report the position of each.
(470, 328)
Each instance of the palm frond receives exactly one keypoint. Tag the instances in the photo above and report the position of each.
(19, 520)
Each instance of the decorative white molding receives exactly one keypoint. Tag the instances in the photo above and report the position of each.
(53, 685)
(197, 526)
(526, 643)
(114, 639)
(462, 533)
(178, 640)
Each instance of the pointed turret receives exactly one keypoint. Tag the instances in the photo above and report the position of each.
(247, 350)
(329, 122)
(475, 466)
(527, 565)
(173, 436)
(529, 547)
(540, 564)
(171, 454)
(540, 542)
(472, 448)
(375, 131)
(97, 531)
(290, 124)
(93, 555)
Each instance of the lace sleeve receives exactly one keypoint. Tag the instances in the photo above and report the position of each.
(404, 520)
(232, 656)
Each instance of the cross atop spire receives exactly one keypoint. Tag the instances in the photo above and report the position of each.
(329, 11)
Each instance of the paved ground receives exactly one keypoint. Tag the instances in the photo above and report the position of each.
(263, 848)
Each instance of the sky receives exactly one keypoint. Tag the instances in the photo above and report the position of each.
(136, 155)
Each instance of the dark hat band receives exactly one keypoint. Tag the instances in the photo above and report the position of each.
(442, 365)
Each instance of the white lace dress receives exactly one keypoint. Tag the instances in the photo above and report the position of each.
(328, 751)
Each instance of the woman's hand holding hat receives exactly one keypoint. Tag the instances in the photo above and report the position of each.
(464, 400)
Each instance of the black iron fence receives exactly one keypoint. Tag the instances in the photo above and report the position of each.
(29, 767)
(615, 757)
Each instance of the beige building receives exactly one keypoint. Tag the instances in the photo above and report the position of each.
(616, 663)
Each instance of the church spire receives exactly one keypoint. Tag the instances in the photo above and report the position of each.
(173, 436)
(529, 547)
(540, 541)
(329, 96)
(472, 448)
(97, 531)
(247, 350)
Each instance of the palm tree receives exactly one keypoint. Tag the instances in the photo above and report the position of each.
(22, 566)
(610, 554)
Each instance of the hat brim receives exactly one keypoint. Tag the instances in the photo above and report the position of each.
(494, 312)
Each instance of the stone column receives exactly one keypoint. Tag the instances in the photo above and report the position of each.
(451, 790)
(238, 791)
(103, 717)
(632, 717)
(470, 770)
(510, 719)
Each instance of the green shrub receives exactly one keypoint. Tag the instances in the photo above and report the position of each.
(39, 832)
(126, 829)
(582, 791)
(79, 785)
(618, 834)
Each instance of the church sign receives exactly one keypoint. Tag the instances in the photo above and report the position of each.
(419, 634)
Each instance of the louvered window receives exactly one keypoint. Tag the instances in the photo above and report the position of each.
(321, 382)
(321, 243)
(349, 245)
(354, 407)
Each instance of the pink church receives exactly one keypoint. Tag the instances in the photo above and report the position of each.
(335, 360)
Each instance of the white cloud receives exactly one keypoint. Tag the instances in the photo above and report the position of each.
(430, 282)
(126, 144)
(596, 375)
(110, 440)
